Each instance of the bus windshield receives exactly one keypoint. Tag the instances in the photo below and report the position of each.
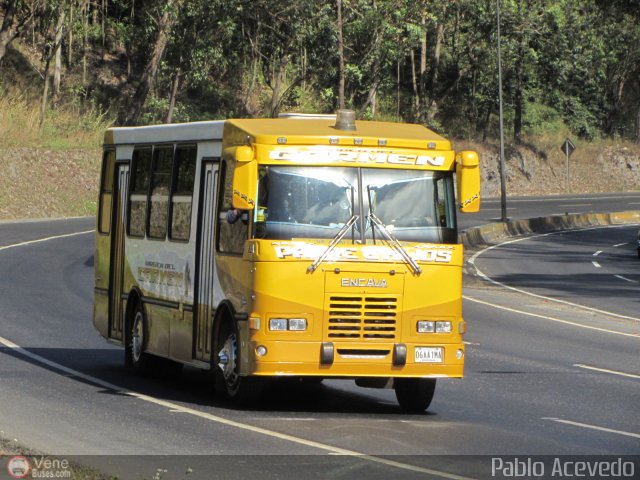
(316, 202)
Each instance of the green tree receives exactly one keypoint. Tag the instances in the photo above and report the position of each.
(130, 113)
(16, 16)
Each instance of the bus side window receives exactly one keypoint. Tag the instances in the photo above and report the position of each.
(160, 184)
(106, 191)
(231, 236)
(443, 189)
(182, 192)
(139, 191)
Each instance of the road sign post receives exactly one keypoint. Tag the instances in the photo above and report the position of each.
(503, 175)
(568, 147)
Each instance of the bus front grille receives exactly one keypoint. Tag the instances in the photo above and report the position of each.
(362, 317)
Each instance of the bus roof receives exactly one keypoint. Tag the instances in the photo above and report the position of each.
(171, 132)
(271, 131)
(307, 131)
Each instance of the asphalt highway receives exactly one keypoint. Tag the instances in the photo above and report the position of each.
(550, 205)
(542, 377)
(594, 267)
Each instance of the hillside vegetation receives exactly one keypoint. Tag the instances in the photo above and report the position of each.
(71, 68)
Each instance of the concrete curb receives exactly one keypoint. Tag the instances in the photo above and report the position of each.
(493, 232)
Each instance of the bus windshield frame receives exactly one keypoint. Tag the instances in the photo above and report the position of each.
(315, 202)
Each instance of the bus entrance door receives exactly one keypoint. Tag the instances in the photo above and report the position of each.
(206, 280)
(117, 252)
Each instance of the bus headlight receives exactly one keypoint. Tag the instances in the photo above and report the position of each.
(426, 326)
(284, 324)
(278, 324)
(443, 327)
(430, 326)
(297, 324)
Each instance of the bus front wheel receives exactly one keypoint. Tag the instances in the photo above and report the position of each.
(228, 380)
(414, 394)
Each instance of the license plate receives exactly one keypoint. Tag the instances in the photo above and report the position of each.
(428, 355)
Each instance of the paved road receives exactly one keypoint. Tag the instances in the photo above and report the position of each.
(595, 267)
(542, 378)
(543, 206)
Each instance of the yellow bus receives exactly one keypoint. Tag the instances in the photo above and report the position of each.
(313, 247)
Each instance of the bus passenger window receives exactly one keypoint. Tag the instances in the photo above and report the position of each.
(182, 194)
(160, 183)
(139, 192)
(106, 191)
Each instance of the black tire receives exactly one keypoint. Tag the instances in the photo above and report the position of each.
(137, 336)
(242, 390)
(414, 394)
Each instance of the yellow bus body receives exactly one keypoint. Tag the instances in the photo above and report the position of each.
(360, 306)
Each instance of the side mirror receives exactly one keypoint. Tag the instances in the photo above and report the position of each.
(468, 181)
(245, 179)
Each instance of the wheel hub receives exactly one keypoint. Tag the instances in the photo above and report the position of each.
(137, 337)
(227, 359)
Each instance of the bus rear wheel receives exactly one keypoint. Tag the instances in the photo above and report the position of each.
(240, 389)
(414, 394)
(136, 356)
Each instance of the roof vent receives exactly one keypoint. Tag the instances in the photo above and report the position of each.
(345, 120)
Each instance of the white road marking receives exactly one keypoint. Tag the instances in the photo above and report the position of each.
(593, 427)
(551, 319)
(597, 265)
(173, 407)
(482, 275)
(31, 242)
(620, 244)
(625, 279)
(604, 370)
(577, 205)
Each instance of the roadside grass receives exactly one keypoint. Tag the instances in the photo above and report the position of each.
(67, 127)
(50, 171)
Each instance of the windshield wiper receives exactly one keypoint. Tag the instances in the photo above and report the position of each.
(339, 236)
(390, 238)
(394, 243)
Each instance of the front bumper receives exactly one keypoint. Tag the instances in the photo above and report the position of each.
(295, 358)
